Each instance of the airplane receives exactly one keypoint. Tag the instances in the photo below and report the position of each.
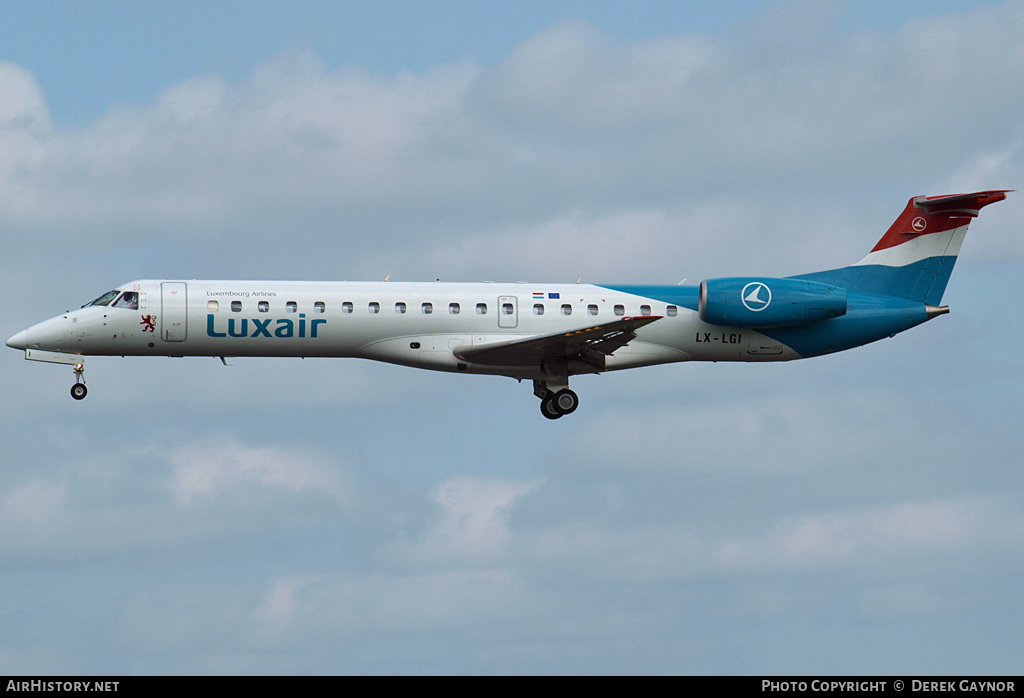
(541, 332)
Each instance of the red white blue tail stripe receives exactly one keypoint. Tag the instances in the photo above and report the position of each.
(915, 257)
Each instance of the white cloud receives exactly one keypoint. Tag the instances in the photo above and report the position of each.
(24, 128)
(771, 426)
(218, 467)
(32, 506)
(572, 130)
(570, 79)
(22, 105)
(372, 605)
(674, 510)
(472, 527)
(277, 611)
(893, 533)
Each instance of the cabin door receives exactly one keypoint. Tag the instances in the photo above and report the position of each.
(174, 311)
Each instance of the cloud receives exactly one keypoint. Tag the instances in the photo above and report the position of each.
(570, 80)
(23, 107)
(472, 526)
(33, 505)
(24, 129)
(771, 428)
(893, 533)
(219, 467)
(277, 610)
(292, 134)
(347, 515)
(572, 136)
(379, 605)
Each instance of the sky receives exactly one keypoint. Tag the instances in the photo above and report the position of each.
(860, 513)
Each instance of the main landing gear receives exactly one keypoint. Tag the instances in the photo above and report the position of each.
(555, 403)
(78, 390)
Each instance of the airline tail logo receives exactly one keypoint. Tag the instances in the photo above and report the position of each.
(756, 296)
(919, 224)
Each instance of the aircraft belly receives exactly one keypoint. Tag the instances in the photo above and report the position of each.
(432, 351)
(638, 353)
(705, 342)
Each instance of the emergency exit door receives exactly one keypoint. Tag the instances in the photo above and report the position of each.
(508, 313)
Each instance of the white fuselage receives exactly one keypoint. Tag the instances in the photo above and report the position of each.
(413, 324)
(542, 332)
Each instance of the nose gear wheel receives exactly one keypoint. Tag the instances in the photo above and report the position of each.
(78, 390)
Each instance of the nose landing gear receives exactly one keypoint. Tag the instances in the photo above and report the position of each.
(78, 390)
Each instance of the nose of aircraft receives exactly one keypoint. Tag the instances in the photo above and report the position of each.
(19, 341)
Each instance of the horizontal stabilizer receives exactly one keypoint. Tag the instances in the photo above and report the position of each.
(534, 351)
(966, 204)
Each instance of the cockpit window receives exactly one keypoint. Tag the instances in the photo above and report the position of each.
(129, 300)
(104, 299)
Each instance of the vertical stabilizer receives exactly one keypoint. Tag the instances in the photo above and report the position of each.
(916, 255)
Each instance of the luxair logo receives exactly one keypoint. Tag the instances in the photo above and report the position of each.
(283, 328)
(756, 296)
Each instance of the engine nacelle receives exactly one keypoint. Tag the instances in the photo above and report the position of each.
(752, 302)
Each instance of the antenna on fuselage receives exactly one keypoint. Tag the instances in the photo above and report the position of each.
(387, 277)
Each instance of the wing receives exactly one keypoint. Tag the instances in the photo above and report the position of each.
(585, 344)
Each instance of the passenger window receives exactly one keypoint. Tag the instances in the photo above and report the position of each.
(212, 306)
(346, 307)
(236, 306)
(264, 306)
(645, 310)
(400, 308)
(291, 307)
(506, 308)
(481, 308)
(319, 307)
(374, 307)
(453, 308)
(538, 309)
(620, 310)
(592, 309)
(671, 311)
(427, 308)
(566, 309)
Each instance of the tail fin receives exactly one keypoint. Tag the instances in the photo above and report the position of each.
(916, 255)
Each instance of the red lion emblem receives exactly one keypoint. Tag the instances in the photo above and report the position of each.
(149, 323)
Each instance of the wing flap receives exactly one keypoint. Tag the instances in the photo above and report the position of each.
(533, 351)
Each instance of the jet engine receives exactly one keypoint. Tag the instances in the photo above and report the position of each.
(764, 302)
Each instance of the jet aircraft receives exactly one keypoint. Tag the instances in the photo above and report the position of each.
(541, 332)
